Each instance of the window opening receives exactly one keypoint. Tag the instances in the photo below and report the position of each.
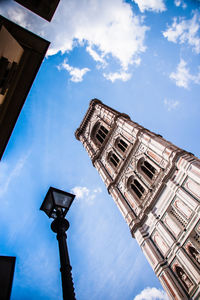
(137, 188)
(114, 159)
(148, 169)
(101, 134)
(122, 145)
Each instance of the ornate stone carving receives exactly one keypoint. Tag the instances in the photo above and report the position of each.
(182, 276)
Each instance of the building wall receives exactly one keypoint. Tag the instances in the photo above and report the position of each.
(21, 54)
(156, 186)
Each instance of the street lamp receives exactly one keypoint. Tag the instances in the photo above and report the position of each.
(56, 205)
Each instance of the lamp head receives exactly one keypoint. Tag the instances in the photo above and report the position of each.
(56, 202)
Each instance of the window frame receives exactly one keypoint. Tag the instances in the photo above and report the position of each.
(132, 182)
(117, 142)
(98, 132)
(141, 166)
(115, 160)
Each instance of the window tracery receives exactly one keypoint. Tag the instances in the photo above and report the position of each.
(113, 159)
(99, 133)
(136, 187)
(121, 145)
(147, 168)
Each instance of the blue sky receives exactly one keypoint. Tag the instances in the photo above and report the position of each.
(139, 57)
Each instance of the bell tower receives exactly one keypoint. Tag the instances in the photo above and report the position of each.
(156, 186)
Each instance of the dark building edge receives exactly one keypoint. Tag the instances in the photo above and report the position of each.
(40, 52)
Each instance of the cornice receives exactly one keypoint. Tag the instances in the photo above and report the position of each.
(89, 113)
(79, 131)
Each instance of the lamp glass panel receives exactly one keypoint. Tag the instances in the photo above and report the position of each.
(47, 205)
(62, 200)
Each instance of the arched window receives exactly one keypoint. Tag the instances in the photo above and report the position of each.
(147, 168)
(99, 133)
(113, 159)
(121, 145)
(135, 187)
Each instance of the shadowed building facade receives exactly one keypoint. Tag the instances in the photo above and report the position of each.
(7, 266)
(156, 186)
(21, 54)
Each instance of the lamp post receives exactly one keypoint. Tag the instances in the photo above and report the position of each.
(56, 205)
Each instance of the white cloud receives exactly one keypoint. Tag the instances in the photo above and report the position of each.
(177, 2)
(75, 73)
(171, 104)
(107, 29)
(182, 76)
(86, 194)
(153, 5)
(96, 56)
(97, 190)
(137, 61)
(152, 294)
(16, 14)
(185, 31)
(124, 76)
(7, 176)
(80, 192)
(180, 3)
